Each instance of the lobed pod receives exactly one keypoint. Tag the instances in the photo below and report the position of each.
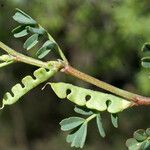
(28, 83)
(89, 98)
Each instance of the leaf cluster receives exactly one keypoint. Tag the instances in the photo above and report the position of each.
(140, 140)
(78, 126)
(146, 58)
(28, 26)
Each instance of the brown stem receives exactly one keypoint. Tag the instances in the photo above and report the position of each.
(137, 99)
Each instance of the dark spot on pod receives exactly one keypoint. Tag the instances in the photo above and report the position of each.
(108, 102)
(68, 91)
(88, 97)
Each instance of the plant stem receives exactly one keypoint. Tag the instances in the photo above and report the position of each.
(5, 64)
(63, 65)
(59, 50)
(91, 117)
(28, 60)
(137, 99)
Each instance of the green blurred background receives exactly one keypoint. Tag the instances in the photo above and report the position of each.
(100, 37)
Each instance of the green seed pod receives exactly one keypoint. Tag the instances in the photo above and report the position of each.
(89, 98)
(29, 83)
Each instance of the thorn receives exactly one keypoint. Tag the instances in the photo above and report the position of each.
(45, 86)
(2, 107)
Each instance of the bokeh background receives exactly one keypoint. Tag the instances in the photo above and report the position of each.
(100, 37)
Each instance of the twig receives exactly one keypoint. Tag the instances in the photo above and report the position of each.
(18, 57)
(63, 65)
(137, 99)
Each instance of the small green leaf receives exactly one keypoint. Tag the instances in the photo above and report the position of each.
(114, 120)
(22, 12)
(45, 49)
(49, 44)
(146, 62)
(23, 18)
(42, 52)
(21, 34)
(100, 125)
(145, 145)
(31, 41)
(77, 139)
(140, 135)
(36, 30)
(71, 137)
(146, 59)
(18, 29)
(148, 131)
(71, 123)
(146, 47)
(80, 137)
(83, 111)
(132, 144)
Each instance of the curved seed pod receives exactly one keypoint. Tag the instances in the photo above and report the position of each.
(29, 83)
(97, 100)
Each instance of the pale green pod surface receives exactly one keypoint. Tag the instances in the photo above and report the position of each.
(117, 104)
(97, 100)
(77, 95)
(7, 99)
(59, 89)
(29, 83)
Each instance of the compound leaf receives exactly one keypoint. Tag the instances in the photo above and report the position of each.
(31, 26)
(140, 140)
